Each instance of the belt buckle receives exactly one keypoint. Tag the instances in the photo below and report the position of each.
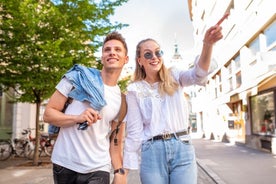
(166, 136)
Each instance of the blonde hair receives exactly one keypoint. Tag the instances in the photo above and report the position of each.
(167, 84)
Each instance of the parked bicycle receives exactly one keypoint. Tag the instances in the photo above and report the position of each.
(46, 145)
(14, 146)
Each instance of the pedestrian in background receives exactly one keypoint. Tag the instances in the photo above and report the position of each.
(157, 118)
(84, 154)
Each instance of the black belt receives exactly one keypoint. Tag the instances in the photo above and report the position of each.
(167, 136)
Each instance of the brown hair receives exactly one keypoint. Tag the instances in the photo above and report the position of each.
(167, 83)
(116, 36)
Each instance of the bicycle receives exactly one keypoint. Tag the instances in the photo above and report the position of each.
(46, 145)
(14, 146)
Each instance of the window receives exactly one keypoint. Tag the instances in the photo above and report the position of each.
(219, 76)
(230, 81)
(228, 85)
(263, 113)
(237, 61)
(229, 68)
(270, 34)
(216, 92)
(238, 79)
(254, 46)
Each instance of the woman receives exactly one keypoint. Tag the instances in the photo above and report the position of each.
(157, 119)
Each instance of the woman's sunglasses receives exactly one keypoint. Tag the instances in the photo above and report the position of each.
(149, 55)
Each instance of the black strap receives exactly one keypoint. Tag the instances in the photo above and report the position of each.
(68, 102)
(122, 114)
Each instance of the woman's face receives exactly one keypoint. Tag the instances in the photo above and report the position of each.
(150, 57)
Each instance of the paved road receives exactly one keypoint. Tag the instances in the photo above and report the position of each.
(224, 163)
(235, 164)
(15, 171)
(203, 177)
(43, 175)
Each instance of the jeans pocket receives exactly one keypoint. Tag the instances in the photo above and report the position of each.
(58, 169)
(96, 180)
(187, 142)
(186, 139)
(146, 146)
(98, 177)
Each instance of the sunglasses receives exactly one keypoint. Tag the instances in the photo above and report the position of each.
(149, 55)
(83, 126)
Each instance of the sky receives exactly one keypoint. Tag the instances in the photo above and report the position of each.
(166, 21)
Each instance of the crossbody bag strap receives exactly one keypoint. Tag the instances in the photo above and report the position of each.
(121, 117)
(68, 102)
(123, 108)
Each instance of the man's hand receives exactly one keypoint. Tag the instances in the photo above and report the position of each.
(90, 116)
(119, 179)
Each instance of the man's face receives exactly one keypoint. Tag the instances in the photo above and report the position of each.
(114, 55)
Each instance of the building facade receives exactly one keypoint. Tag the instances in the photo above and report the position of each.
(238, 103)
(15, 117)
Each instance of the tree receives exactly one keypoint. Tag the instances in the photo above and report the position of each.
(42, 39)
(124, 82)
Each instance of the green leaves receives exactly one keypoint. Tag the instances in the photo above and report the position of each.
(42, 39)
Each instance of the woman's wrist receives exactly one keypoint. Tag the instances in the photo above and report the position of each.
(207, 43)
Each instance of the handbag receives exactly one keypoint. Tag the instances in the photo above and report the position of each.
(52, 129)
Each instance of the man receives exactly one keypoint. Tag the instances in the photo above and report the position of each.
(83, 156)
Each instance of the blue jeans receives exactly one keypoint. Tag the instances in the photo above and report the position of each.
(168, 162)
(63, 175)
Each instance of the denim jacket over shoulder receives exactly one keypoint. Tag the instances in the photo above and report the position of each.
(88, 85)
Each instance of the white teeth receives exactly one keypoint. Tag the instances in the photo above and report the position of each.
(112, 59)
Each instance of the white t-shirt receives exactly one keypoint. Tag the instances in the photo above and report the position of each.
(86, 151)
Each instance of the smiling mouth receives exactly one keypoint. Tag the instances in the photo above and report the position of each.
(112, 59)
(154, 63)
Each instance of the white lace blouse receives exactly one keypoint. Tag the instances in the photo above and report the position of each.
(150, 114)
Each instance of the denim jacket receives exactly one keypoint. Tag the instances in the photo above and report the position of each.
(88, 85)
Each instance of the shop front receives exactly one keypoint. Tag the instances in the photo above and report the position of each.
(262, 116)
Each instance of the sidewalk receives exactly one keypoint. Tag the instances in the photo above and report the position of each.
(43, 174)
(14, 171)
(233, 164)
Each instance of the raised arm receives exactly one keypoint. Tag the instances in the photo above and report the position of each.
(212, 35)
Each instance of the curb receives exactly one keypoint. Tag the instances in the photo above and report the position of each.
(209, 172)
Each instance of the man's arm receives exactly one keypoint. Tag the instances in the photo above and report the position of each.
(53, 111)
(116, 152)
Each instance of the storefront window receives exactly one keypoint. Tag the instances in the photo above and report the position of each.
(263, 113)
